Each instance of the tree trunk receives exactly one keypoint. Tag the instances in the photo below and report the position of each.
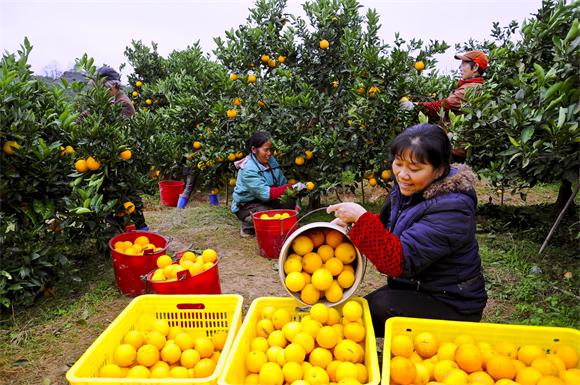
(313, 202)
(563, 195)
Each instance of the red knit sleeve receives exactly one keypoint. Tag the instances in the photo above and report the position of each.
(276, 192)
(432, 108)
(381, 247)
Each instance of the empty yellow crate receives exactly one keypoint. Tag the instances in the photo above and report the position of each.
(202, 315)
(544, 337)
(235, 370)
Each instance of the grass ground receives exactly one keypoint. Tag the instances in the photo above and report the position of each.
(38, 344)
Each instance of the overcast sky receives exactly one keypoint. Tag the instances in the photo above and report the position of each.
(61, 31)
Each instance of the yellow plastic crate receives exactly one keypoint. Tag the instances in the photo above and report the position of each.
(235, 371)
(202, 315)
(544, 337)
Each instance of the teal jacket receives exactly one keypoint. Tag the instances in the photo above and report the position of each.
(254, 181)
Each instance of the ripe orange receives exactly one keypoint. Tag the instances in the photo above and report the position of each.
(324, 44)
(126, 155)
(302, 245)
(316, 236)
(9, 147)
(468, 357)
(252, 78)
(352, 311)
(124, 355)
(232, 113)
(528, 376)
(295, 281)
(386, 174)
(528, 353)
(373, 182)
(147, 355)
(325, 252)
(81, 165)
(403, 371)
(327, 337)
(345, 252)
(334, 292)
(322, 279)
(426, 345)
(282, 59)
(311, 262)
(204, 368)
(334, 238)
(310, 186)
(189, 358)
(501, 367)
(299, 161)
(171, 353)
(271, 374)
(419, 66)
(294, 352)
(233, 76)
(309, 294)
(305, 340)
(204, 346)
(281, 317)
(402, 345)
(255, 360)
(567, 354)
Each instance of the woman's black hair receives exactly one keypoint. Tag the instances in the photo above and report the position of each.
(257, 140)
(427, 143)
(479, 70)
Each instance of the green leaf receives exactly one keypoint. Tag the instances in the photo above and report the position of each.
(514, 142)
(527, 134)
(561, 117)
(539, 72)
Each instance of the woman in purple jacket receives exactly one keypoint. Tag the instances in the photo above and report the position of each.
(424, 237)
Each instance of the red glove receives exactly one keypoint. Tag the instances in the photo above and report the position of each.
(381, 247)
(276, 192)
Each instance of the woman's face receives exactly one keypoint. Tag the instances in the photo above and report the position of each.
(466, 71)
(263, 153)
(413, 176)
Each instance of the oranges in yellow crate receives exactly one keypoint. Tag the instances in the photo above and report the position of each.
(424, 358)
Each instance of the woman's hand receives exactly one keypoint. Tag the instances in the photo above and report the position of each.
(347, 212)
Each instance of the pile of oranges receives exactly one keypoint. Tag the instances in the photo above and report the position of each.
(167, 270)
(322, 347)
(320, 265)
(275, 216)
(426, 360)
(138, 247)
(161, 351)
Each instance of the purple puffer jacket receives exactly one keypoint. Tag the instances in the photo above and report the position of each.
(437, 233)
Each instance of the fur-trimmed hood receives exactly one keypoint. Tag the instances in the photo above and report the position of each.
(461, 179)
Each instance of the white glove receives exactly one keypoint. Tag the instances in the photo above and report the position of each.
(299, 186)
(347, 212)
(406, 105)
(338, 221)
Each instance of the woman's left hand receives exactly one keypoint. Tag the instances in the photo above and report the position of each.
(347, 212)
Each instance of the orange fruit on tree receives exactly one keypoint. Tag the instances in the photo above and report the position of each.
(265, 58)
(148, 102)
(403, 371)
(271, 63)
(419, 65)
(126, 155)
(93, 164)
(299, 161)
(10, 145)
(197, 145)
(310, 186)
(252, 78)
(81, 165)
(372, 182)
(231, 158)
(232, 113)
(233, 76)
(282, 59)
(261, 103)
(138, 84)
(324, 44)
(386, 174)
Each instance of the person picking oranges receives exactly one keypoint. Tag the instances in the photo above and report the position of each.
(260, 183)
(424, 238)
(472, 67)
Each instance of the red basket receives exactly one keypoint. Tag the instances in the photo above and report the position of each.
(169, 191)
(271, 233)
(206, 282)
(130, 269)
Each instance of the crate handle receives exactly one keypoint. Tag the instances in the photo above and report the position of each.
(191, 306)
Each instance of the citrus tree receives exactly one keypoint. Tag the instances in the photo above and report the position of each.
(522, 127)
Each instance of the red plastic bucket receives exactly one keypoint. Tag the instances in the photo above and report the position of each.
(271, 233)
(206, 282)
(169, 191)
(130, 269)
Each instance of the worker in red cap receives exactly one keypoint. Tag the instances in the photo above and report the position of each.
(473, 65)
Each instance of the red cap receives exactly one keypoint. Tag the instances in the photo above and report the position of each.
(477, 57)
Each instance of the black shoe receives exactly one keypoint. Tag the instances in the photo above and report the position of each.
(246, 233)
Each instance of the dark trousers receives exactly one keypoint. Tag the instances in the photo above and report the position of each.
(246, 210)
(386, 302)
